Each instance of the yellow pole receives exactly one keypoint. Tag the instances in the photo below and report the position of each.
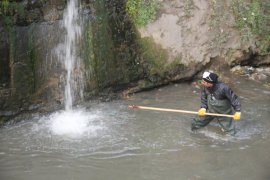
(177, 110)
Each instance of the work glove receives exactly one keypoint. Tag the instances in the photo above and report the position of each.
(237, 116)
(201, 112)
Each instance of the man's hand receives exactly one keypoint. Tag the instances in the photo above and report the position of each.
(201, 112)
(237, 116)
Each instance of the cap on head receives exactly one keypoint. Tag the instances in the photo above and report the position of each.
(210, 77)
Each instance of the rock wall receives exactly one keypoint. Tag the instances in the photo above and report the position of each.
(196, 35)
(29, 67)
(197, 31)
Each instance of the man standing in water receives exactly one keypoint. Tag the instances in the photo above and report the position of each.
(217, 97)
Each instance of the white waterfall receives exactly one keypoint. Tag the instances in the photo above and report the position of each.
(72, 63)
(71, 122)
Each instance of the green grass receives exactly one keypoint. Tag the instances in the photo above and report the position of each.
(252, 18)
(142, 11)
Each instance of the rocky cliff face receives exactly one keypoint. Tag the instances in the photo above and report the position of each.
(32, 31)
(197, 35)
(196, 32)
(29, 30)
(183, 39)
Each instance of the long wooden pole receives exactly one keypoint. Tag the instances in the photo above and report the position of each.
(177, 110)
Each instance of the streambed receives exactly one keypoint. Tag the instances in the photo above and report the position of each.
(103, 141)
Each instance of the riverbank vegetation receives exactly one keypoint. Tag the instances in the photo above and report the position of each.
(142, 11)
(252, 18)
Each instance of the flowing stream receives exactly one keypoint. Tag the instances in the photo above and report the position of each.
(114, 142)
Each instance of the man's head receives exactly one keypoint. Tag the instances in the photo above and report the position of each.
(209, 79)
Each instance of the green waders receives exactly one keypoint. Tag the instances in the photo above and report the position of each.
(216, 106)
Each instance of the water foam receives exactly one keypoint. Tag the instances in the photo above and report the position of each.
(74, 123)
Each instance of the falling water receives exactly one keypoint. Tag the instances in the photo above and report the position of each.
(71, 122)
(72, 62)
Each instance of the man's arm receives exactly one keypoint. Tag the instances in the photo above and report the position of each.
(204, 99)
(234, 99)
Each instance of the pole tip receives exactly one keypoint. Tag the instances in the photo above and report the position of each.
(133, 106)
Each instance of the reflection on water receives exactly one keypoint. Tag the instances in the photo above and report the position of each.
(110, 141)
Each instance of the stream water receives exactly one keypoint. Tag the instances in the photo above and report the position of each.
(103, 141)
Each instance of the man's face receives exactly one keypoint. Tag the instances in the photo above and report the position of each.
(206, 84)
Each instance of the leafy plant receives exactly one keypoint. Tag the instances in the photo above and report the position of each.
(252, 18)
(142, 11)
(10, 8)
(4, 7)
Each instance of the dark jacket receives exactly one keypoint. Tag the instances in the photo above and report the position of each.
(220, 91)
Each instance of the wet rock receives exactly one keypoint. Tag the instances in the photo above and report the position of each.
(263, 70)
(243, 70)
(51, 14)
(261, 74)
(257, 74)
(33, 16)
(7, 113)
(258, 77)
(34, 107)
(260, 61)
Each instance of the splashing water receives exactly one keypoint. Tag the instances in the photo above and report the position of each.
(74, 123)
(71, 121)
